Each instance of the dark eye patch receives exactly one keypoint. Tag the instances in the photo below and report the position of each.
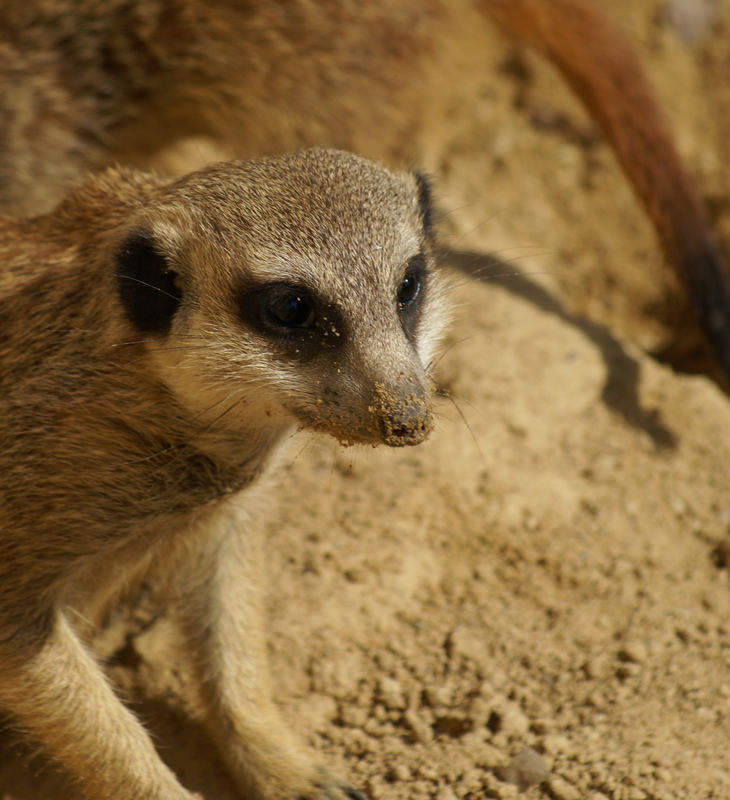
(411, 292)
(148, 288)
(290, 315)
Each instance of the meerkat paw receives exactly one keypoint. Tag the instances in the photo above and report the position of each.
(290, 775)
(339, 793)
(327, 788)
(324, 786)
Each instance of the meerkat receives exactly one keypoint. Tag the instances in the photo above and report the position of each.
(88, 82)
(160, 342)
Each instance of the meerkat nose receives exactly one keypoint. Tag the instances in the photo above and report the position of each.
(403, 412)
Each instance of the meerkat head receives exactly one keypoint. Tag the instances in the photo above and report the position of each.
(292, 289)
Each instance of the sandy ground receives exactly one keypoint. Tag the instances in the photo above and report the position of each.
(541, 592)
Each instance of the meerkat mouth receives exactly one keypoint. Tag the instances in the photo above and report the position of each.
(405, 436)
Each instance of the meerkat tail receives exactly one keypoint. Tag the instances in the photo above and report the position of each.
(601, 68)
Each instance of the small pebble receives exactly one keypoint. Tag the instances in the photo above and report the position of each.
(400, 772)
(679, 506)
(428, 772)
(628, 671)
(436, 696)
(420, 731)
(462, 642)
(555, 743)
(634, 651)
(541, 726)
(512, 721)
(391, 693)
(526, 769)
(479, 711)
(596, 667)
(376, 787)
(471, 781)
(354, 716)
(596, 699)
(562, 790)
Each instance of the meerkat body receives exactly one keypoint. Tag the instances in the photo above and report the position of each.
(159, 344)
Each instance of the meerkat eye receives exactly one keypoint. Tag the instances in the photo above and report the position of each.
(279, 309)
(410, 288)
(411, 293)
(289, 307)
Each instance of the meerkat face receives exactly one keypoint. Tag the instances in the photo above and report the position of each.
(299, 288)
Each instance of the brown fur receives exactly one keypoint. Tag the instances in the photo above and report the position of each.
(132, 439)
(86, 82)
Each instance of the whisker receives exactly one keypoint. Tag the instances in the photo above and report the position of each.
(484, 276)
(149, 286)
(139, 356)
(475, 255)
(226, 411)
(494, 259)
(437, 360)
(306, 444)
(151, 341)
(459, 237)
(69, 330)
(178, 348)
(171, 447)
(468, 426)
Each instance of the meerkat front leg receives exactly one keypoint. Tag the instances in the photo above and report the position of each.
(59, 695)
(220, 606)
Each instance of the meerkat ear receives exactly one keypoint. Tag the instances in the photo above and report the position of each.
(147, 287)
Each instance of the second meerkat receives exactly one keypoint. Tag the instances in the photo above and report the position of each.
(159, 342)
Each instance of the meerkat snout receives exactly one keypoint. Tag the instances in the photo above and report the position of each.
(403, 413)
